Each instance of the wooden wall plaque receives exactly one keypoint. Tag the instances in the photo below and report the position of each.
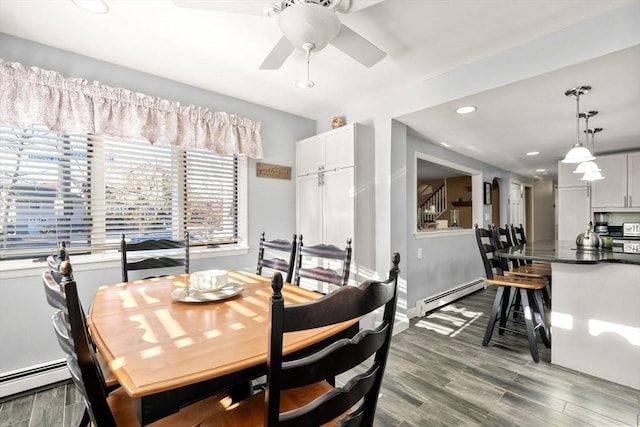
(266, 170)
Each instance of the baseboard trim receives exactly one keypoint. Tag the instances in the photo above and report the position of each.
(446, 297)
(33, 377)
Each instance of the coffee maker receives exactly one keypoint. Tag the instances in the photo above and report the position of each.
(602, 223)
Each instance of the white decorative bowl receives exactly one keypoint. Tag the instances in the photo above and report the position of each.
(209, 280)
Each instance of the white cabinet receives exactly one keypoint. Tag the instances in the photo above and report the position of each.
(621, 175)
(633, 180)
(573, 212)
(574, 202)
(335, 192)
(566, 177)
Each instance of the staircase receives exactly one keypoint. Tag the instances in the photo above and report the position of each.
(433, 207)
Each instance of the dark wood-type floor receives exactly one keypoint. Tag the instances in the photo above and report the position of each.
(439, 374)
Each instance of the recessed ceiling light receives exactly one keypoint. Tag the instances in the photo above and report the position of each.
(533, 153)
(444, 144)
(540, 170)
(466, 110)
(93, 6)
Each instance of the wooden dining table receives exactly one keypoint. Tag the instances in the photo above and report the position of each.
(167, 353)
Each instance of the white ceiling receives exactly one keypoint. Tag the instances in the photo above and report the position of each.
(221, 52)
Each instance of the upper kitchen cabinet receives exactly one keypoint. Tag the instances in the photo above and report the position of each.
(332, 150)
(621, 174)
(566, 177)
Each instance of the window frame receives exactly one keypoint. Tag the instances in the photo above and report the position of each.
(476, 196)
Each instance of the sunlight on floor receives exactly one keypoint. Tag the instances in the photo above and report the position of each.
(449, 320)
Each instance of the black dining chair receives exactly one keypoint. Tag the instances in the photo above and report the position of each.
(53, 284)
(323, 263)
(528, 289)
(269, 254)
(297, 393)
(104, 408)
(153, 254)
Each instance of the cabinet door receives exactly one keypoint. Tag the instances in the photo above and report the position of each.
(339, 207)
(339, 148)
(633, 183)
(309, 155)
(566, 177)
(610, 192)
(573, 211)
(309, 207)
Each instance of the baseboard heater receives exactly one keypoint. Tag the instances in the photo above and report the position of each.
(446, 297)
(33, 377)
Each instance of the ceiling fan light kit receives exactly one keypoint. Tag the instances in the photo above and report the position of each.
(309, 23)
(93, 6)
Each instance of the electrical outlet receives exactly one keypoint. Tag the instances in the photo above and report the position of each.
(419, 253)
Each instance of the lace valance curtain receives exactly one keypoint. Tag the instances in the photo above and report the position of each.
(30, 95)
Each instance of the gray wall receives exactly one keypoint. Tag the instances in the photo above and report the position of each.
(26, 335)
(450, 261)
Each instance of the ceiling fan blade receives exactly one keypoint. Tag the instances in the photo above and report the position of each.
(357, 47)
(278, 55)
(246, 7)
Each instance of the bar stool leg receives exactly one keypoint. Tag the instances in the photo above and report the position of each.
(528, 320)
(541, 318)
(495, 309)
(507, 297)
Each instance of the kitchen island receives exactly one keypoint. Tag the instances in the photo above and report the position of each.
(595, 316)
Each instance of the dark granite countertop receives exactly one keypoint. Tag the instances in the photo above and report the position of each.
(566, 252)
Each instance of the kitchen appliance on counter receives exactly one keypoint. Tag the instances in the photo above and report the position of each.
(631, 229)
(615, 231)
(589, 239)
(602, 223)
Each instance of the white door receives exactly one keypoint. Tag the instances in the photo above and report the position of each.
(339, 148)
(309, 156)
(516, 205)
(309, 209)
(339, 207)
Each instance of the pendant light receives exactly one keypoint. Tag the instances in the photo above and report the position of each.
(592, 175)
(589, 166)
(306, 84)
(579, 153)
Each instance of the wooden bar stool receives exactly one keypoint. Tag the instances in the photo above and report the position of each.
(529, 290)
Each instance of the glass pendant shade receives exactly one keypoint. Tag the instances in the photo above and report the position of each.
(585, 167)
(578, 154)
(592, 176)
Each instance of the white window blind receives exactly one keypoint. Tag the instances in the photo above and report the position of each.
(88, 190)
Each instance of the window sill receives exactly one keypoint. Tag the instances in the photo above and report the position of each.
(442, 233)
(26, 267)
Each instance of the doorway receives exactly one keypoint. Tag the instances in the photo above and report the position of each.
(495, 202)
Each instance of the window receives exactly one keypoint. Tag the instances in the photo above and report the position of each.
(88, 190)
(447, 195)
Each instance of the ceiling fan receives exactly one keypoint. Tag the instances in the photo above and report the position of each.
(308, 25)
